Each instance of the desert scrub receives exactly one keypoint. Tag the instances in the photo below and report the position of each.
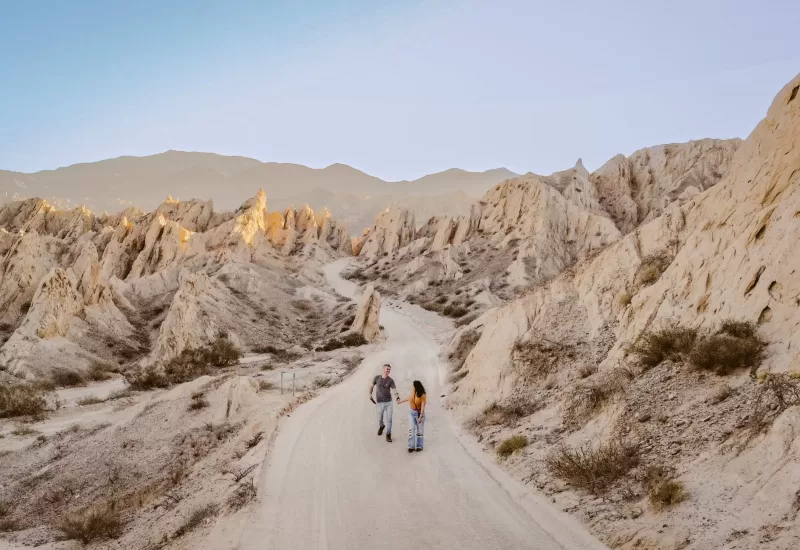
(94, 523)
(671, 342)
(534, 359)
(594, 470)
(776, 393)
(467, 341)
(589, 397)
(663, 490)
(735, 346)
(506, 413)
(349, 340)
(22, 400)
(652, 267)
(624, 299)
(264, 385)
(197, 517)
(511, 445)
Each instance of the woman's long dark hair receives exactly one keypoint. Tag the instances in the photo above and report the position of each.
(419, 389)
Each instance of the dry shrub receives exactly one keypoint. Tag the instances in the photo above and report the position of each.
(99, 371)
(321, 382)
(663, 490)
(351, 363)
(652, 267)
(624, 299)
(7, 523)
(507, 413)
(146, 378)
(466, 343)
(196, 518)
(671, 342)
(593, 469)
(242, 495)
(777, 393)
(280, 355)
(586, 399)
(264, 385)
(90, 400)
(94, 523)
(467, 319)
(198, 402)
(735, 346)
(22, 400)
(587, 370)
(255, 440)
(455, 311)
(350, 340)
(511, 445)
(536, 359)
(67, 378)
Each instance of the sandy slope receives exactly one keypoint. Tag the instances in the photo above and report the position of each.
(332, 483)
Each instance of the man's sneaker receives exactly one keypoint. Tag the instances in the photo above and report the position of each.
(419, 449)
(380, 430)
(411, 450)
(389, 437)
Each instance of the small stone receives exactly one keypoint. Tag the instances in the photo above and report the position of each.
(644, 417)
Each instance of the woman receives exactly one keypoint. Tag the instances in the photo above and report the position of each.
(416, 416)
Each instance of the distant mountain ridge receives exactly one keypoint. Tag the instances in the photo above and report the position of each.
(113, 184)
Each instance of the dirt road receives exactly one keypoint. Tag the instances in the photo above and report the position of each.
(332, 483)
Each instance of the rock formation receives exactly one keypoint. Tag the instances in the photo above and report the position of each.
(367, 322)
(133, 284)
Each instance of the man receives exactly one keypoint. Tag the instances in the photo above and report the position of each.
(383, 386)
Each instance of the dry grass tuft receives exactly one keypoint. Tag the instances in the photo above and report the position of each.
(593, 469)
(624, 299)
(198, 402)
(94, 523)
(264, 385)
(512, 445)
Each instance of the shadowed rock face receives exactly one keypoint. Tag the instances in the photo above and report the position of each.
(70, 282)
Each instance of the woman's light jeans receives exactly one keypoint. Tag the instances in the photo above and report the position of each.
(416, 427)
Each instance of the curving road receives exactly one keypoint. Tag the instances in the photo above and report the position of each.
(332, 483)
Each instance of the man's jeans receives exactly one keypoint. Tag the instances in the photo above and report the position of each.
(416, 427)
(385, 407)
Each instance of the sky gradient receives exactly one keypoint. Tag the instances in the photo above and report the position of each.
(397, 89)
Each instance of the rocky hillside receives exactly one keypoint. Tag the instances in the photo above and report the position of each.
(654, 387)
(79, 289)
(627, 340)
(527, 230)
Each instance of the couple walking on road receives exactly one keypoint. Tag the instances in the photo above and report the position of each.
(383, 386)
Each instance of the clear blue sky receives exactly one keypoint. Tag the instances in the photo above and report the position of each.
(397, 89)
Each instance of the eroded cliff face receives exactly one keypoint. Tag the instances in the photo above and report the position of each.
(720, 253)
(144, 286)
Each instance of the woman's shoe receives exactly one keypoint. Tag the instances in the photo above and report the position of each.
(411, 450)
(419, 449)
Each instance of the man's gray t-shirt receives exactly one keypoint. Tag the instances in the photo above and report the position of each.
(383, 388)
